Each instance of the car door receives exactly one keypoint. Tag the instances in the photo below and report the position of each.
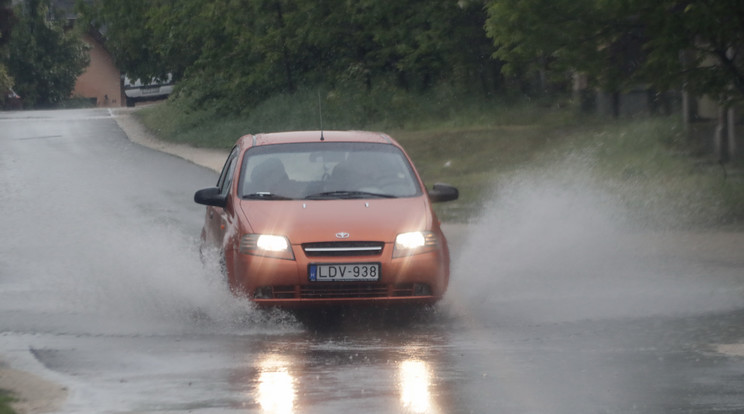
(216, 220)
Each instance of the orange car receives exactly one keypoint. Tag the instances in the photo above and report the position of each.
(332, 217)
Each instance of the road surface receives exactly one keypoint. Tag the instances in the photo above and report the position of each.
(556, 304)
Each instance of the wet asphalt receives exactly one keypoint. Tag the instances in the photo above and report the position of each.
(555, 306)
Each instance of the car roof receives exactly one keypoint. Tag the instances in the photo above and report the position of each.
(314, 136)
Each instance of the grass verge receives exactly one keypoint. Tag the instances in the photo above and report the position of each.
(5, 400)
(647, 164)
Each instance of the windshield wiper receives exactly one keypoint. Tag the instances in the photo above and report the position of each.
(329, 195)
(265, 195)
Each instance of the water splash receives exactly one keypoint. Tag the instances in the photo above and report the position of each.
(143, 279)
(555, 245)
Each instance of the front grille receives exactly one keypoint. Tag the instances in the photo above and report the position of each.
(284, 292)
(343, 290)
(342, 249)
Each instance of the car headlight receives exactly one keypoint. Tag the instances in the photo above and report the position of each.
(417, 242)
(266, 245)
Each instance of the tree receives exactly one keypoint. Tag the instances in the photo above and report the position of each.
(557, 37)
(710, 35)
(45, 59)
(697, 44)
(233, 53)
(6, 24)
(129, 28)
(621, 43)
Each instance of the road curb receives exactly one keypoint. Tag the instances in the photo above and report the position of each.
(139, 134)
(33, 394)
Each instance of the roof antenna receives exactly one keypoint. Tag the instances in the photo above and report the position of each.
(320, 112)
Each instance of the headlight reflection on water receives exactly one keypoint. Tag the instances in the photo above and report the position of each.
(414, 381)
(276, 387)
(276, 392)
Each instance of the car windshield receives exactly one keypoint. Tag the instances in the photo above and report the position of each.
(326, 170)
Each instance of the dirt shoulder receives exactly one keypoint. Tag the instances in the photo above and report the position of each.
(33, 394)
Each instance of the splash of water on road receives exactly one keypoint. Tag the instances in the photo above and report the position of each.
(556, 245)
(144, 279)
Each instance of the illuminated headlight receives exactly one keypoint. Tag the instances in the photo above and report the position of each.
(407, 244)
(266, 245)
(272, 243)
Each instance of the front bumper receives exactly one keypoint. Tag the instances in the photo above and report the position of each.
(417, 279)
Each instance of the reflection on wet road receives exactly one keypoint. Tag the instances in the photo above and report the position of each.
(275, 392)
(556, 305)
(307, 373)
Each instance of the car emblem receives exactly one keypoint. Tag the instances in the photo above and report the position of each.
(342, 235)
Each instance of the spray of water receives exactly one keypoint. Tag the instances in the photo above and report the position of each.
(555, 245)
(551, 244)
(112, 277)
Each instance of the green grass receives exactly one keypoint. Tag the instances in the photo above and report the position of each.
(380, 110)
(473, 159)
(5, 400)
(477, 144)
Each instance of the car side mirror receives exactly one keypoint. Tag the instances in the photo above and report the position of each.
(443, 192)
(210, 197)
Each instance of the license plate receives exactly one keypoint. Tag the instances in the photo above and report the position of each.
(358, 272)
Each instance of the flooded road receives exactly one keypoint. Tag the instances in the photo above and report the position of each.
(558, 304)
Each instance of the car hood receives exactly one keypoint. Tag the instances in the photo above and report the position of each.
(306, 221)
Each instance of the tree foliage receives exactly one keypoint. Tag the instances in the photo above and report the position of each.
(45, 59)
(233, 52)
(558, 36)
(6, 23)
(696, 44)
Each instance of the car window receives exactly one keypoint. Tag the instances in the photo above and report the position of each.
(226, 177)
(326, 170)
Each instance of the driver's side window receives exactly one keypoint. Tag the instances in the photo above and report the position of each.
(226, 177)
